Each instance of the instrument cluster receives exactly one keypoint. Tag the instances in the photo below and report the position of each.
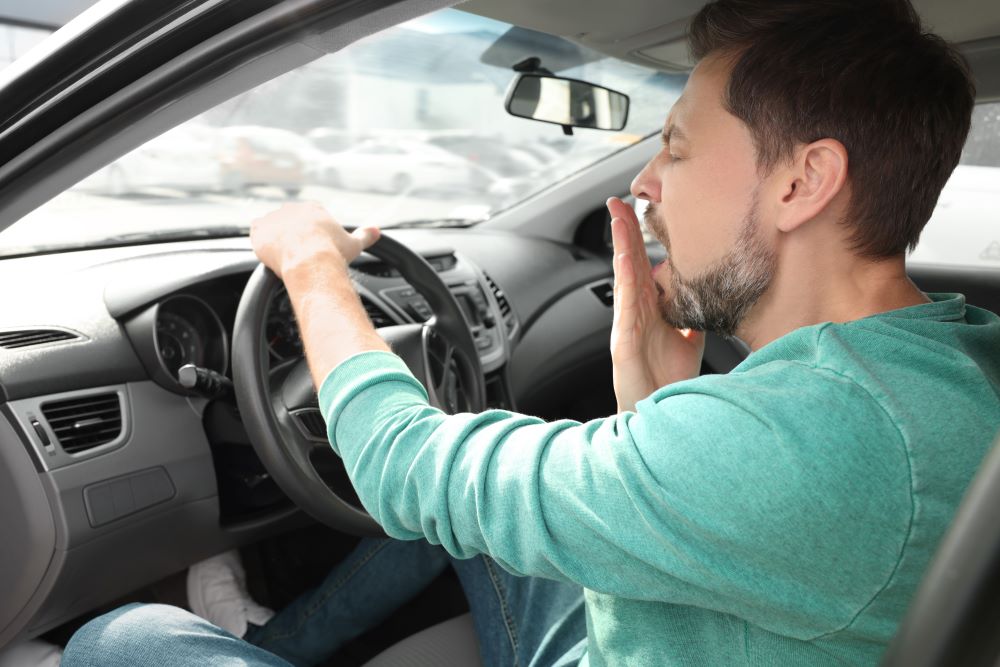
(188, 331)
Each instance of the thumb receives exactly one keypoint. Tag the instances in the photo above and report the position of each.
(367, 236)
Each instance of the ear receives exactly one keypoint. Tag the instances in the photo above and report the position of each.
(817, 174)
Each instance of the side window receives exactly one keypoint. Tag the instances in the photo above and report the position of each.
(965, 227)
(17, 40)
(982, 148)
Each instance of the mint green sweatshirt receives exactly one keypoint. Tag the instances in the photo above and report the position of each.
(780, 514)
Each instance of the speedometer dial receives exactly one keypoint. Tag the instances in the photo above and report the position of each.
(178, 342)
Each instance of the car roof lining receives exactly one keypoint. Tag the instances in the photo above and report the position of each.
(955, 20)
(651, 32)
(647, 32)
(608, 23)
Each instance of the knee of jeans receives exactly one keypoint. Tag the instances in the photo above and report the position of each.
(114, 638)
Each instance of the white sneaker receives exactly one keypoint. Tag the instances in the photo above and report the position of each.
(217, 591)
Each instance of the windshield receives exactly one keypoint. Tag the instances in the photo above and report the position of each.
(405, 127)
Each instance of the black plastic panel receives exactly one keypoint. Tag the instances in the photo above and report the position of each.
(117, 498)
(981, 286)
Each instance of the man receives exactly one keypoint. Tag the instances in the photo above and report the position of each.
(780, 514)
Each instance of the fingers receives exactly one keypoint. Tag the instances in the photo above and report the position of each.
(635, 243)
(306, 227)
(621, 239)
(626, 306)
(641, 273)
(619, 209)
(367, 236)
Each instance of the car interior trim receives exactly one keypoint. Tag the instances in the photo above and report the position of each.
(28, 412)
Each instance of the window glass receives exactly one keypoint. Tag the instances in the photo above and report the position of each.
(406, 126)
(965, 227)
(16, 40)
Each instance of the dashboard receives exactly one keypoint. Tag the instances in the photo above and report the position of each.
(113, 473)
(186, 328)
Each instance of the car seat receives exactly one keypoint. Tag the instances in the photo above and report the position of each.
(954, 618)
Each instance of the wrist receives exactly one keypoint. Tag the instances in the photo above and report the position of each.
(305, 262)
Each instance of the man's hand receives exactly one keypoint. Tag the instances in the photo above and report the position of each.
(310, 252)
(296, 234)
(647, 353)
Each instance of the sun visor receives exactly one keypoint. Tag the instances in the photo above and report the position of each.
(673, 55)
(556, 54)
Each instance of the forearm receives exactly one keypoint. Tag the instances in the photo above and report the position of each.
(332, 322)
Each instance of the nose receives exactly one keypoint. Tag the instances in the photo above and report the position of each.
(646, 185)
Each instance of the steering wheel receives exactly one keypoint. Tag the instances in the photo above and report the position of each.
(280, 409)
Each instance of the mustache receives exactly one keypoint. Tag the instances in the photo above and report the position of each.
(649, 215)
(652, 223)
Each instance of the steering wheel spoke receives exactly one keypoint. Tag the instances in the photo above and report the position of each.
(432, 359)
(296, 405)
(445, 378)
(293, 384)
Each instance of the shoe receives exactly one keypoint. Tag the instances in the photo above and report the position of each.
(217, 591)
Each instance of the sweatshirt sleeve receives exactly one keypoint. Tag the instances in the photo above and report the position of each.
(698, 498)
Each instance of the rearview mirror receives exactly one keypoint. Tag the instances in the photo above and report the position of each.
(566, 102)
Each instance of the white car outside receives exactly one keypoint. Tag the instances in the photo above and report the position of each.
(184, 158)
(399, 166)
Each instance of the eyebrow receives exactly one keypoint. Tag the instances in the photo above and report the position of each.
(672, 132)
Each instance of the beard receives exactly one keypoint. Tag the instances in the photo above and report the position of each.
(721, 297)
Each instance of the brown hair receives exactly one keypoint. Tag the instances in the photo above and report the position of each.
(862, 72)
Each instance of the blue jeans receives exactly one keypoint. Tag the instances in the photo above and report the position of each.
(519, 621)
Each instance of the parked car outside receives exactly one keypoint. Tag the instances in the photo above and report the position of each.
(184, 158)
(400, 166)
(253, 156)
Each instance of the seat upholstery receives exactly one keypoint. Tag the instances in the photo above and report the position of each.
(954, 616)
(449, 644)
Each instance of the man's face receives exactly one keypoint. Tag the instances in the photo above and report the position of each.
(703, 189)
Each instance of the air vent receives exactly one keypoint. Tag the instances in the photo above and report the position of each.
(85, 422)
(505, 309)
(28, 337)
(378, 316)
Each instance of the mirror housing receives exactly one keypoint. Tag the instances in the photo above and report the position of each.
(566, 102)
